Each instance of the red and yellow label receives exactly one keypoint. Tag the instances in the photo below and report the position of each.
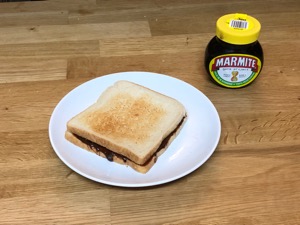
(234, 70)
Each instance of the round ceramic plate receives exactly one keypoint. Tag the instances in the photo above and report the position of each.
(192, 147)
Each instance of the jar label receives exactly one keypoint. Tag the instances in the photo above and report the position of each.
(234, 70)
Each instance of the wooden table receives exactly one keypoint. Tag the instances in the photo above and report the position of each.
(47, 48)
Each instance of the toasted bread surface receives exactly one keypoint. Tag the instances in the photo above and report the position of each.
(129, 119)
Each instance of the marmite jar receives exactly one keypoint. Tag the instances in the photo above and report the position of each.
(234, 57)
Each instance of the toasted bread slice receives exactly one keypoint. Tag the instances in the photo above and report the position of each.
(130, 120)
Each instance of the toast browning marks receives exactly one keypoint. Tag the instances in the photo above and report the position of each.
(129, 119)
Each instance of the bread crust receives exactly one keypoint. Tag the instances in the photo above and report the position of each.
(139, 168)
(129, 119)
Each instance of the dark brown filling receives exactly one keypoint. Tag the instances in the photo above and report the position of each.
(110, 154)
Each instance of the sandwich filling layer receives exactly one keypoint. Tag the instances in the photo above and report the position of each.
(110, 154)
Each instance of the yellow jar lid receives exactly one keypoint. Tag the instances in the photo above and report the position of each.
(239, 29)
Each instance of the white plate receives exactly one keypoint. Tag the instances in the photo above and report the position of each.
(192, 147)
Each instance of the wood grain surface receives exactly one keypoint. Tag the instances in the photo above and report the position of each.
(47, 48)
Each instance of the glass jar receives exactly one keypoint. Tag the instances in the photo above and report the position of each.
(234, 57)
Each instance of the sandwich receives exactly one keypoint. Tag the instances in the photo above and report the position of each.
(129, 124)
